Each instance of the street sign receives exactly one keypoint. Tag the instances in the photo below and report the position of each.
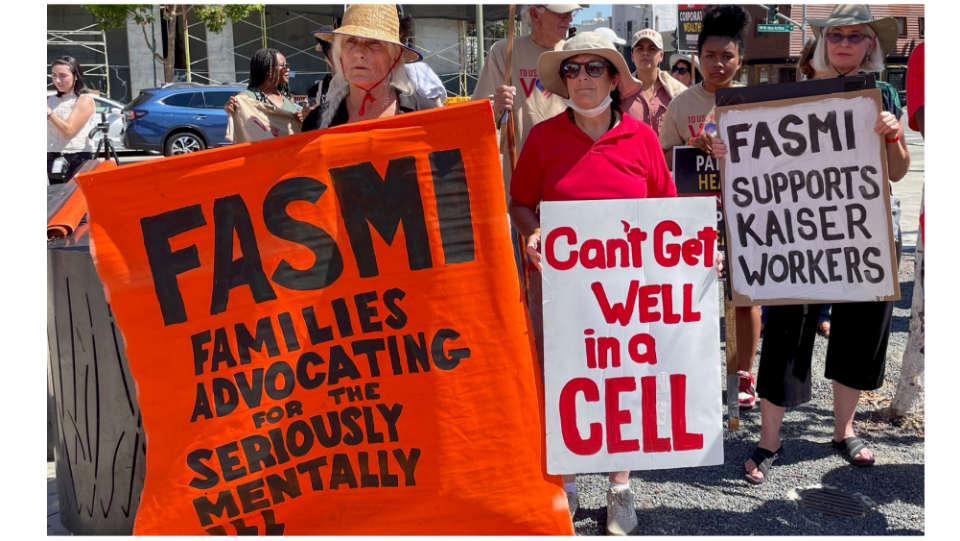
(774, 28)
(690, 20)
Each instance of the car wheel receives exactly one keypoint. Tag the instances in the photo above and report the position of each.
(183, 143)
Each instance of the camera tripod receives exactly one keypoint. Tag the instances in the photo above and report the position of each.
(108, 150)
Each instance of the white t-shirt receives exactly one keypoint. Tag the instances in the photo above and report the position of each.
(56, 142)
(428, 84)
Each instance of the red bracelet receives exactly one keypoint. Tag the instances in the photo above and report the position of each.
(894, 140)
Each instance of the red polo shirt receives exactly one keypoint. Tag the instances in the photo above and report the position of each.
(560, 162)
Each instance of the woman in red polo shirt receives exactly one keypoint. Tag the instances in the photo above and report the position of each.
(590, 151)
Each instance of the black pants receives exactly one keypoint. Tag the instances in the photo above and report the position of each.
(74, 161)
(856, 355)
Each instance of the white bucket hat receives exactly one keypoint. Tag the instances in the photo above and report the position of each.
(611, 35)
(677, 57)
(548, 65)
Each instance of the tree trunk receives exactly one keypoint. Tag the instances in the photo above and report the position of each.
(911, 370)
(170, 13)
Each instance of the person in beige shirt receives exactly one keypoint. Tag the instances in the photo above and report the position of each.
(532, 101)
(649, 103)
(721, 52)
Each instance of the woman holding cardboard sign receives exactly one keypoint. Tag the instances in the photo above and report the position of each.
(850, 40)
(590, 151)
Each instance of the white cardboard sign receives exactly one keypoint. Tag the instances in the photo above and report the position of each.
(806, 201)
(631, 335)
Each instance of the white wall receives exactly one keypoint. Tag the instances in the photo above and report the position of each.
(220, 56)
(438, 40)
(144, 71)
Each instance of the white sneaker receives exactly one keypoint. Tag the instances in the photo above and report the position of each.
(573, 501)
(621, 513)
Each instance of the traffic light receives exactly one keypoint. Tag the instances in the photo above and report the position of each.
(571, 32)
(670, 41)
(772, 13)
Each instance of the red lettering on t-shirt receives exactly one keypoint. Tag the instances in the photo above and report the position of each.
(528, 90)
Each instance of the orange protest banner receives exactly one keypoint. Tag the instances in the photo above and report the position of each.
(327, 334)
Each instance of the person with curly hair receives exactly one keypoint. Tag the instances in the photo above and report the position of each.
(720, 51)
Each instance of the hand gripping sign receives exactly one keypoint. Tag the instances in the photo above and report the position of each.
(631, 335)
(807, 202)
(327, 334)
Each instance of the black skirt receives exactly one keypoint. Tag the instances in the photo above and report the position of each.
(856, 354)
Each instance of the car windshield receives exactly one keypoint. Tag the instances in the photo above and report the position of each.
(144, 96)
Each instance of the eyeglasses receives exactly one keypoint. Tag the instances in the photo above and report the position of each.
(854, 39)
(680, 70)
(283, 66)
(595, 68)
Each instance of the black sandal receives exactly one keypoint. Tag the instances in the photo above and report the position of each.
(763, 459)
(850, 447)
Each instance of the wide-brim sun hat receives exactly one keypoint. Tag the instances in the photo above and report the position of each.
(371, 21)
(548, 65)
(886, 28)
(677, 57)
(614, 38)
(560, 9)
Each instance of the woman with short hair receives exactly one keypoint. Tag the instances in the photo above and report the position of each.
(69, 120)
(590, 151)
(849, 41)
(370, 80)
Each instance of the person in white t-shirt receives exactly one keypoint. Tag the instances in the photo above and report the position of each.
(424, 78)
(69, 120)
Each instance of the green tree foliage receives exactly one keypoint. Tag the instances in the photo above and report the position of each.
(213, 16)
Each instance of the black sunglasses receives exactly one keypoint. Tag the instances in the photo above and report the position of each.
(854, 39)
(595, 68)
(679, 70)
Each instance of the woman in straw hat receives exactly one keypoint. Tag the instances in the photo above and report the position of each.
(590, 151)
(848, 42)
(370, 80)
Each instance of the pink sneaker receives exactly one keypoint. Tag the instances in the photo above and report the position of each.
(747, 394)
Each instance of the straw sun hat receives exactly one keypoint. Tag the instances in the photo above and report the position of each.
(886, 28)
(548, 65)
(371, 21)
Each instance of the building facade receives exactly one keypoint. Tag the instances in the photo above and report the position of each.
(772, 57)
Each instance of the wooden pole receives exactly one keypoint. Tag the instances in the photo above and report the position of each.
(510, 140)
(507, 80)
(733, 380)
(693, 69)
